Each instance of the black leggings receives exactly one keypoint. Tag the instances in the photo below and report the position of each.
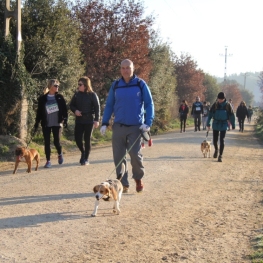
(56, 131)
(85, 129)
(183, 121)
(241, 123)
(222, 140)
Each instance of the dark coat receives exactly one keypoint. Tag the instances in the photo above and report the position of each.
(183, 113)
(88, 104)
(242, 112)
(42, 114)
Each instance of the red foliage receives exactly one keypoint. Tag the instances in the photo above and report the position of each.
(110, 34)
(232, 92)
(189, 79)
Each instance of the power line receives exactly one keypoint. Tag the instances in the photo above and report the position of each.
(226, 55)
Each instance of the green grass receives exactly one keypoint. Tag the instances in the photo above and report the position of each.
(257, 244)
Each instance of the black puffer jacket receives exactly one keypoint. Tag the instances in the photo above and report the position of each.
(88, 104)
(42, 114)
(242, 112)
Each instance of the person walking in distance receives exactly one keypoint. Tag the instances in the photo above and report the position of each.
(250, 113)
(232, 105)
(183, 112)
(221, 112)
(128, 98)
(206, 109)
(197, 111)
(86, 107)
(242, 113)
(53, 114)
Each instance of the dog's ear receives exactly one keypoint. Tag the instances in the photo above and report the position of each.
(114, 193)
(95, 189)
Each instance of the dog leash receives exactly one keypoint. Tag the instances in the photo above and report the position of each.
(124, 155)
(31, 138)
(206, 135)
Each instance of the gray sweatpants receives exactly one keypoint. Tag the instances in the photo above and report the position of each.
(123, 137)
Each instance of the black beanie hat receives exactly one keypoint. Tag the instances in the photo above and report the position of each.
(221, 95)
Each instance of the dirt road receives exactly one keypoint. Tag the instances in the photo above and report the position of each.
(192, 210)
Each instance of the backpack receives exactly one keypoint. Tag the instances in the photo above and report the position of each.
(226, 107)
(139, 83)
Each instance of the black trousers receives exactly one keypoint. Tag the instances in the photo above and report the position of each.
(221, 139)
(241, 123)
(56, 131)
(86, 130)
(197, 120)
(183, 121)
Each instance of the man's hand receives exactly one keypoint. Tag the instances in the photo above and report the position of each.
(145, 128)
(103, 130)
(208, 128)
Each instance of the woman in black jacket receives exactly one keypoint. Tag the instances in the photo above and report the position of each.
(85, 105)
(241, 114)
(52, 113)
(183, 111)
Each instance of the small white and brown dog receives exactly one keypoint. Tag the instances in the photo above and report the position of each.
(206, 148)
(110, 190)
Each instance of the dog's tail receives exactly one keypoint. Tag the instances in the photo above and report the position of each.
(120, 175)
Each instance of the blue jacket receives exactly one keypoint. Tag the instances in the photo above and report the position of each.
(128, 101)
(221, 113)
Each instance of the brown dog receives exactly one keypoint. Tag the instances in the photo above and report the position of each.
(206, 148)
(25, 155)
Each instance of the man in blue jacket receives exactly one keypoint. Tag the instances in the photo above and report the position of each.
(222, 113)
(197, 111)
(128, 98)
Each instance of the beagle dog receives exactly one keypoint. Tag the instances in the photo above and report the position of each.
(110, 190)
(206, 148)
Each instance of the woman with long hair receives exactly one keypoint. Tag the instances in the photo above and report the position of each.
(53, 114)
(86, 107)
(183, 111)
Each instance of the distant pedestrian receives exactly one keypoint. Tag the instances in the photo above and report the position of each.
(221, 112)
(53, 114)
(197, 111)
(232, 105)
(242, 113)
(206, 109)
(86, 107)
(183, 112)
(250, 113)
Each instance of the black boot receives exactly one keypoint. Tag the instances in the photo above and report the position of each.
(220, 158)
(215, 153)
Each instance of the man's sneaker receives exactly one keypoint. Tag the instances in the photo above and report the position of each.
(215, 153)
(60, 159)
(139, 185)
(125, 189)
(47, 165)
(220, 158)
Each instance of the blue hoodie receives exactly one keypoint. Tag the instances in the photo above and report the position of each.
(128, 101)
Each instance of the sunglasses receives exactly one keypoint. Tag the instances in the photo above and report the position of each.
(56, 86)
(80, 84)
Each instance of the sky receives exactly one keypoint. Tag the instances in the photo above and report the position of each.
(206, 29)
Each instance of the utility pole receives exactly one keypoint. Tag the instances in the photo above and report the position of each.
(16, 14)
(245, 77)
(226, 54)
